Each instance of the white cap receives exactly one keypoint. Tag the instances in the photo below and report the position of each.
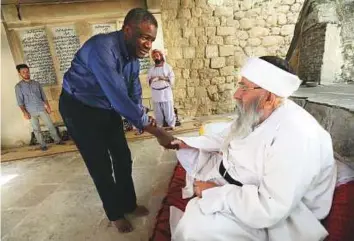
(270, 77)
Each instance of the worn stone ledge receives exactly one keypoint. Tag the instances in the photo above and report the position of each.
(333, 107)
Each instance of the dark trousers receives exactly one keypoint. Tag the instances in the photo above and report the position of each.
(99, 136)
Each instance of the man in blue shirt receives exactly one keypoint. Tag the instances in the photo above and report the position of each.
(102, 85)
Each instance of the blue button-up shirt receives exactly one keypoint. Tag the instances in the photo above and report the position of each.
(31, 95)
(103, 75)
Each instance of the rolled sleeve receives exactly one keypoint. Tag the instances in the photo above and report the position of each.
(103, 64)
(19, 96)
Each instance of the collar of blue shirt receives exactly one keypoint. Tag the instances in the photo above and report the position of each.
(123, 46)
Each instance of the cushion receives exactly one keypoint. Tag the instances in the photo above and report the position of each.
(340, 221)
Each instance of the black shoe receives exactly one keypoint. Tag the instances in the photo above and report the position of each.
(44, 148)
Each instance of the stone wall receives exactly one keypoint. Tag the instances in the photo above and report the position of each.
(207, 42)
(339, 122)
(322, 49)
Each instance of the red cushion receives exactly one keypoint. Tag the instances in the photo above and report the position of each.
(161, 231)
(340, 221)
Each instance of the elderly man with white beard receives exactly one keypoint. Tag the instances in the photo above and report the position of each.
(269, 176)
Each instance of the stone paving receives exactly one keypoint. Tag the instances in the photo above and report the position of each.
(53, 198)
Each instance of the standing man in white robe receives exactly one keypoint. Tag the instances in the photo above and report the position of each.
(269, 176)
(161, 79)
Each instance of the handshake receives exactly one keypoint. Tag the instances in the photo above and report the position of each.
(164, 138)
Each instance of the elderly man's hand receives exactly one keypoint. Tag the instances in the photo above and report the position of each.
(179, 144)
(199, 187)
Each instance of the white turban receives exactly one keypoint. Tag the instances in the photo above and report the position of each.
(270, 77)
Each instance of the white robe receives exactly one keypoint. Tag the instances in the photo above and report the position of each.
(288, 173)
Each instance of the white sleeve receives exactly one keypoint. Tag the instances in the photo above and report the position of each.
(288, 172)
(171, 75)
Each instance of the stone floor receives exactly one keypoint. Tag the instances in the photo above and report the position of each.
(53, 198)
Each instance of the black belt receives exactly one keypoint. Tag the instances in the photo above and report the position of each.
(160, 88)
(227, 177)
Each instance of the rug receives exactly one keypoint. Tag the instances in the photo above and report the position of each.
(161, 231)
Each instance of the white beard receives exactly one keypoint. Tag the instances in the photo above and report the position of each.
(244, 122)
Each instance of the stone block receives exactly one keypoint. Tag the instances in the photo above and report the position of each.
(287, 30)
(190, 91)
(193, 23)
(283, 9)
(226, 50)
(218, 80)
(272, 20)
(217, 62)
(200, 31)
(223, 11)
(211, 51)
(192, 82)
(246, 4)
(242, 35)
(200, 92)
(260, 22)
(185, 73)
(253, 13)
(231, 40)
(180, 93)
(200, 52)
(222, 21)
(243, 43)
(208, 21)
(216, 40)
(208, 73)
(207, 63)
(189, 52)
(230, 61)
(291, 19)
(231, 22)
(197, 64)
(210, 31)
(239, 15)
(222, 31)
(197, 12)
(257, 51)
(228, 70)
(187, 3)
(282, 19)
(183, 42)
(258, 32)
(254, 42)
(204, 82)
(194, 73)
(288, 2)
(269, 41)
(201, 3)
(246, 23)
(193, 41)
(202, 40)
(175, 53)
(295, 8)
(230, 79)
(188, 32)
(181, 83)
(221, 87)
(212, 89)
(183, 63)
(184, 14)
(275, 31)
